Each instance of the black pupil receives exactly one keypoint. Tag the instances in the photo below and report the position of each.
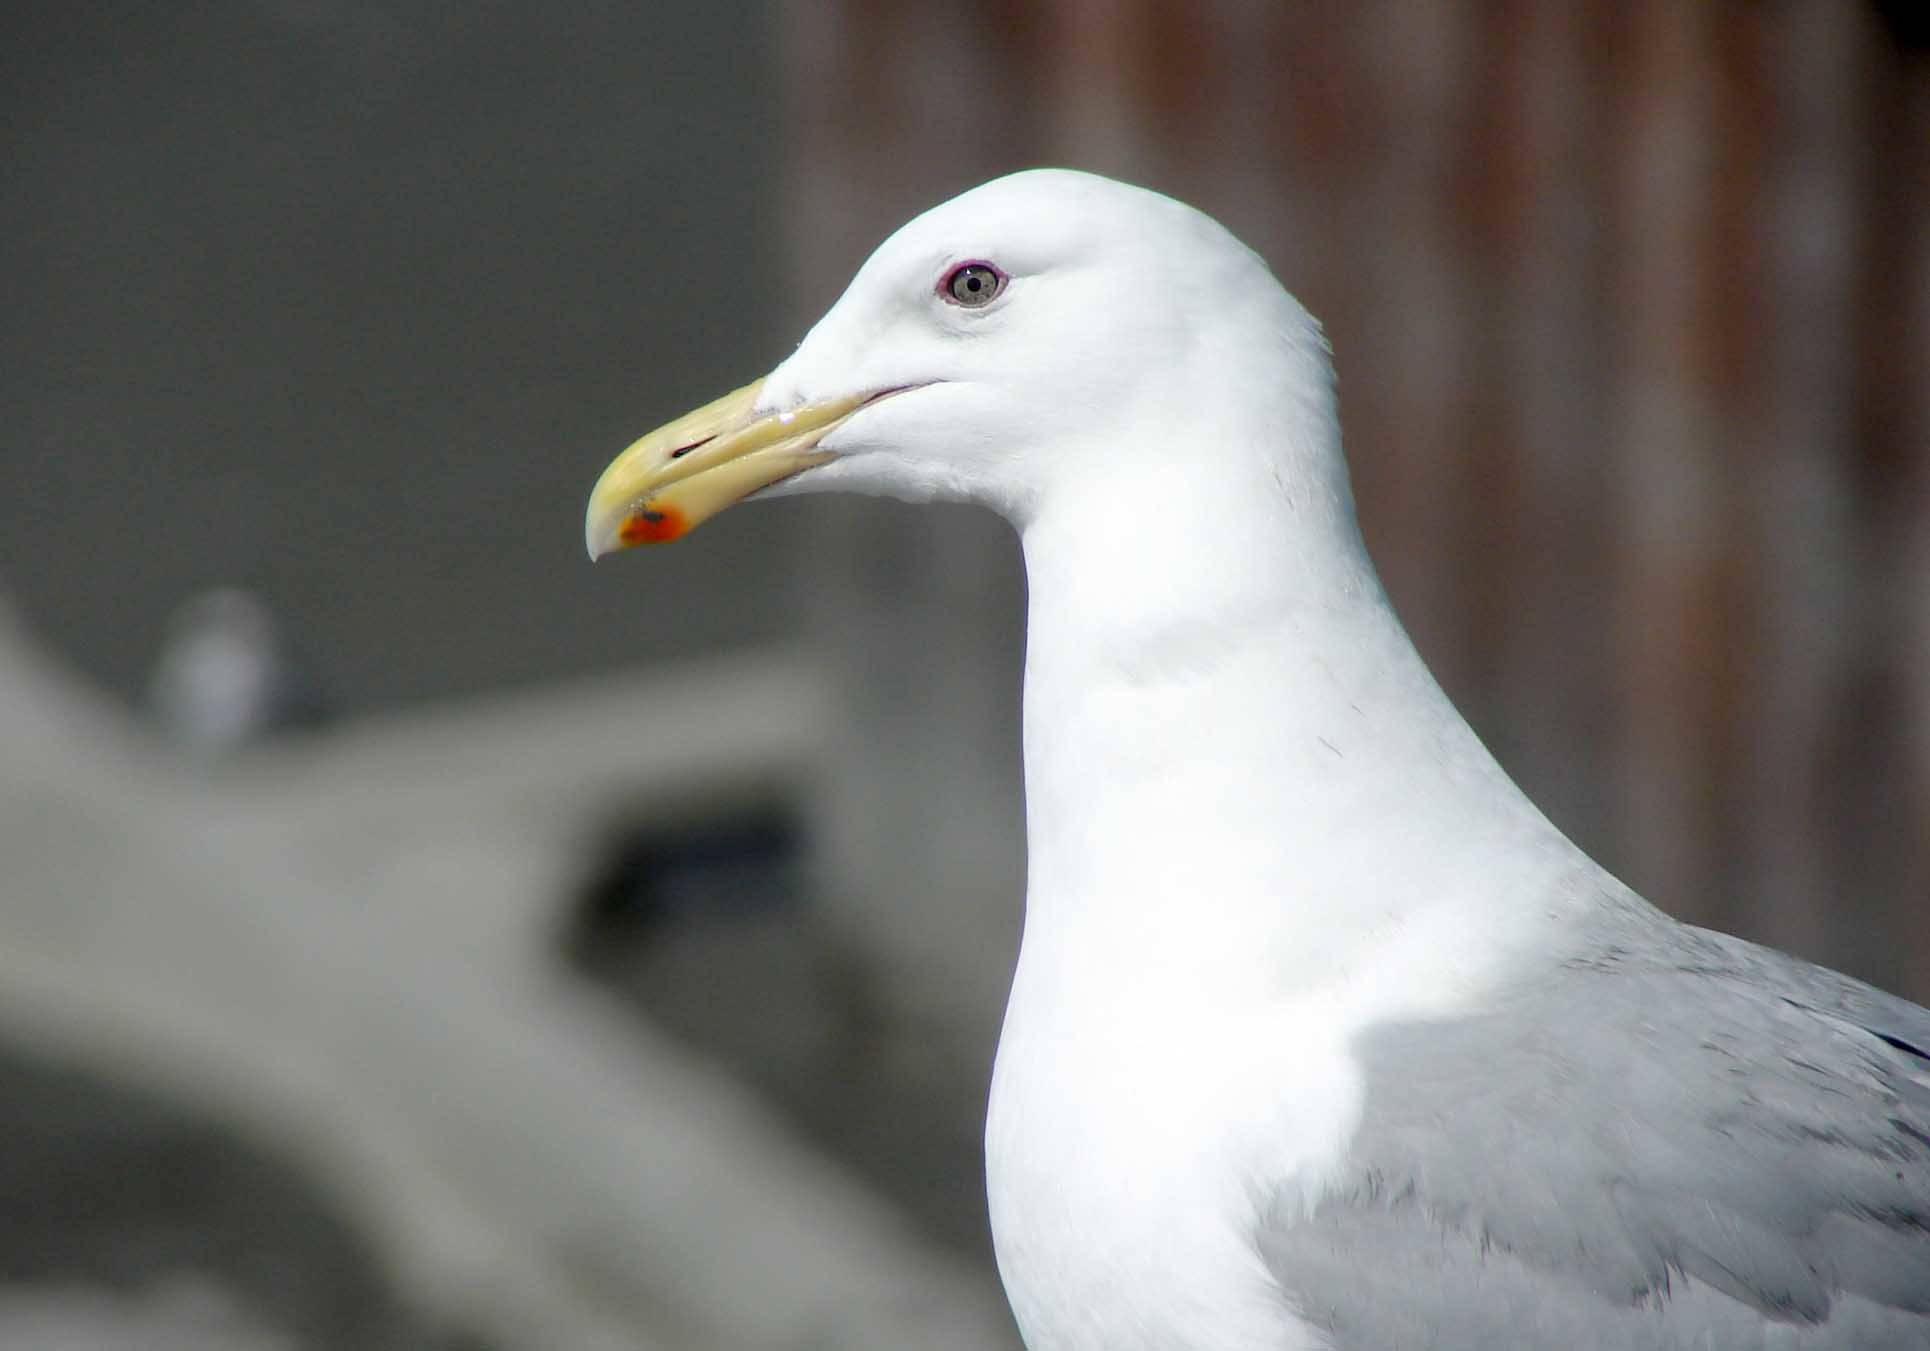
(974, 283)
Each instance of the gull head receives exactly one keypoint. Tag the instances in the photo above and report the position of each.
(1036, 335)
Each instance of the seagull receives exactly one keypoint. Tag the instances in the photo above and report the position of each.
(1321, 1035)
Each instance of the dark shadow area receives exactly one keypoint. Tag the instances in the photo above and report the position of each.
(710, 931)
(109, 1189)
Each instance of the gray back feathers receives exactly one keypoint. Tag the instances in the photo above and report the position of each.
(1673, 1138)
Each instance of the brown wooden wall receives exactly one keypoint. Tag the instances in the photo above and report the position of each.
(1631, 306)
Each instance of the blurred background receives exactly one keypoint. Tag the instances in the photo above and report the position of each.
(412, 937)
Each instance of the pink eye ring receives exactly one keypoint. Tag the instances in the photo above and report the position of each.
(973, 285)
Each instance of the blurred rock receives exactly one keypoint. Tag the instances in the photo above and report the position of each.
(177, 1316)
(344, 952)
(132, 1222)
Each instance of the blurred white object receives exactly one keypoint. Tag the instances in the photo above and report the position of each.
(227, 675)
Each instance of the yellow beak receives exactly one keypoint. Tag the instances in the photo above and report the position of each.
(679, 476)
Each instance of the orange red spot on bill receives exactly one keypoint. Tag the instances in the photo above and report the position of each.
(653, 525)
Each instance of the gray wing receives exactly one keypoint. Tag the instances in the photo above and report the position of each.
(1673, 1139)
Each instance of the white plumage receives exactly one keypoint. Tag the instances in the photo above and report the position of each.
(1268, 860)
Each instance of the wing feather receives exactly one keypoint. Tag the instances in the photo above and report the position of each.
(1671, 1138)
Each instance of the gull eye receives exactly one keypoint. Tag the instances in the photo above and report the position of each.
(974, 285)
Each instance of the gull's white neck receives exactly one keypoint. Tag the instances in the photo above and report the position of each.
(1239, 774)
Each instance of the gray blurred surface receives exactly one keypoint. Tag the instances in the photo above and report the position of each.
(348, 303)
(132, 1222)
(344, 953)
